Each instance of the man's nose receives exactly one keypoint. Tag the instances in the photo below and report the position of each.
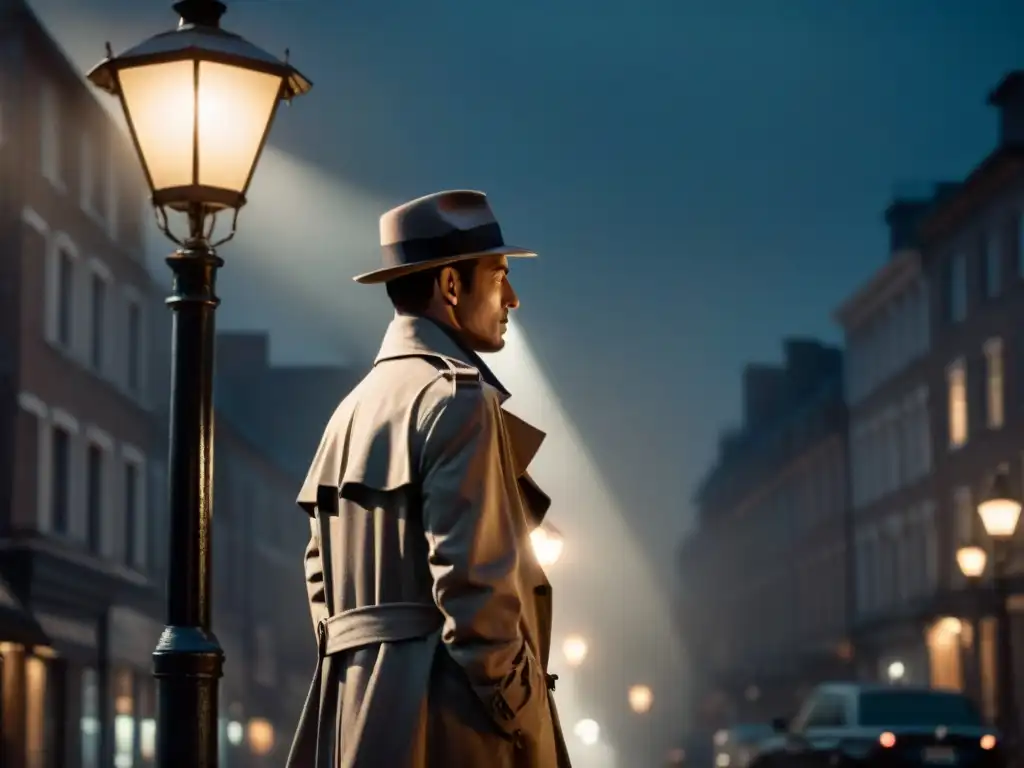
(511, 298)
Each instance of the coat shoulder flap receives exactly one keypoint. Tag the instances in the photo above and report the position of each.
(371, 440)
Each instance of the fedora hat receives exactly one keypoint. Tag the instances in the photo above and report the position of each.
(435, 230)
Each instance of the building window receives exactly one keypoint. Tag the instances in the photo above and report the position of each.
(50, 135)
(112, 190)
(134, 352)
(40, 702)
(963, 515)
(60, 462)
(994, 386)
(90, 722)
(87, 175)
(95, 479)
(957, 287)
(991, 257)
(146, 714)
(123, 685)
(135, 529)
(65, 297)
(131, 511)
(98, 300)
(956, 382)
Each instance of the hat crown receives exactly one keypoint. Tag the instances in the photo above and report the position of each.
(436, 215)
(438, 229)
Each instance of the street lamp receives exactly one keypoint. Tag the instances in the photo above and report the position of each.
(641, 698)
(547, 544)
(575, 650)
(199, 102)
(972, 560)
(896, 671)
(1000, 512)
(587, 731)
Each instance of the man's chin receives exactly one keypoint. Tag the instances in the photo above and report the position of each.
(489, 346)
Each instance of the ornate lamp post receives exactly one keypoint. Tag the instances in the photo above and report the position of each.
(199, 103)
(1000, 513)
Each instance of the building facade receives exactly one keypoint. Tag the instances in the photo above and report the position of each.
(974, 262)
(899, 631)
(772, 539)
(269, 422)
(78, 527)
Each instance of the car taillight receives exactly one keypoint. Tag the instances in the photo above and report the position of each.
(988, 741)
(887, 740)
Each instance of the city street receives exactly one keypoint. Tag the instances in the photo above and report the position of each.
(761, 395)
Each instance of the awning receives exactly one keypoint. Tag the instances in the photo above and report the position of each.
(17, 625)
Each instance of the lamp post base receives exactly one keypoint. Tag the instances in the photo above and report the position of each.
(187, 664)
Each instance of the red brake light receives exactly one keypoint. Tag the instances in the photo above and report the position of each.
(887, 740)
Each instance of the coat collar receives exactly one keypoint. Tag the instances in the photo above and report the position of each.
(412, 336)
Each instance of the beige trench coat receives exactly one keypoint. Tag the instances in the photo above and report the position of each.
(433, 617)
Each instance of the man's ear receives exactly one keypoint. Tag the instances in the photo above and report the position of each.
(449, 284)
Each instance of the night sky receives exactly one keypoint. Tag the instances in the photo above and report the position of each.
(700, 178)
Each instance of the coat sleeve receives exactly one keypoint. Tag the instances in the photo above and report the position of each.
(474, 546)
(315, 577)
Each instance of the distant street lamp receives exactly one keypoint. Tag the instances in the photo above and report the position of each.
(641, 698)
(575, 650)
(896, 671)
(1000, 513)
(547, 544)
(199, 102)
(587, 731)
(972, 560)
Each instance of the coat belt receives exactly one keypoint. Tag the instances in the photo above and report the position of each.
(348, 630)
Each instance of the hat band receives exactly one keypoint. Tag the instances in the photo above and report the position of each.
(457, 242)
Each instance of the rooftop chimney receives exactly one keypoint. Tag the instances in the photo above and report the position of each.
(1008, 98)
(908, 209)
(809, 362)
(764, 392)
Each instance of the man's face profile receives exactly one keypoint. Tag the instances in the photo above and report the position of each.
(480, 303)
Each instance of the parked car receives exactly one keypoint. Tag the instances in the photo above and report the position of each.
(738, 745)
(842, 725)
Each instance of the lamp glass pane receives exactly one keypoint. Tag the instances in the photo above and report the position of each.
(999, 516)
(160, 105)
(235, 109)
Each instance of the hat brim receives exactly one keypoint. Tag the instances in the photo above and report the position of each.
(390, 273)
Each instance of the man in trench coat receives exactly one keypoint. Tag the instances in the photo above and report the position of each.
(431, 613)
